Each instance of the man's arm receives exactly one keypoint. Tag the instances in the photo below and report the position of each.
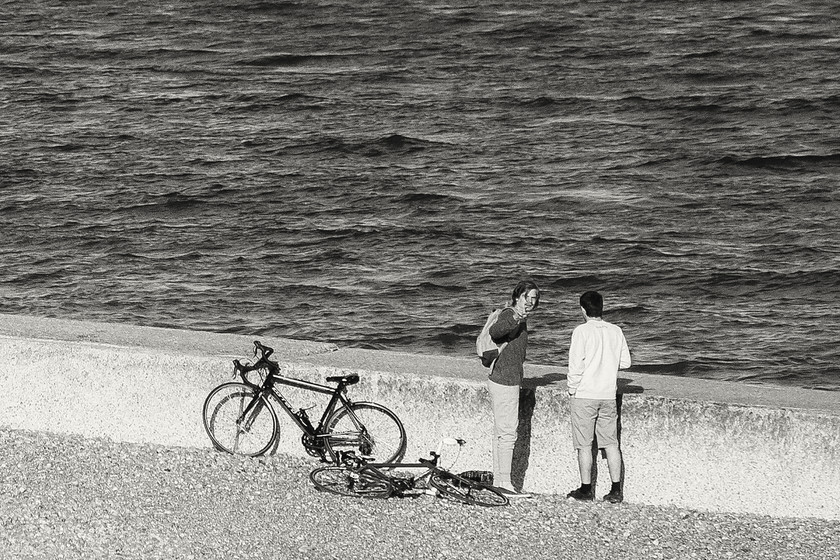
(624, 359)
(577, 362)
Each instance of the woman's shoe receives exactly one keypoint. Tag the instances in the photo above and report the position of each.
(513, 494)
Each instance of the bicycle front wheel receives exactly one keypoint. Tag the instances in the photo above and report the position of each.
(345, 482)
(239, 420)
(369, 429)
(467, 491)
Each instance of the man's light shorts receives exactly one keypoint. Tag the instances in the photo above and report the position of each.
(593, 418)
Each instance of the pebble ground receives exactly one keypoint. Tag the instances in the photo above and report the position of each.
(68, 497)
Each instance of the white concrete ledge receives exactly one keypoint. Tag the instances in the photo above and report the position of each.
(690, 443)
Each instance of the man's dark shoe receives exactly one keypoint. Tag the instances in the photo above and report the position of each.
(614, 497)
(577, 494)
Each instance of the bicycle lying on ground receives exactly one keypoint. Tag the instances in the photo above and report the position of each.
(239, 416)
(357, 476)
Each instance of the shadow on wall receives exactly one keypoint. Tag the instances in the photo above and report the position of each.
(527, 404)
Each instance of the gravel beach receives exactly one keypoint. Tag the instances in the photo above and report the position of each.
(64, 496)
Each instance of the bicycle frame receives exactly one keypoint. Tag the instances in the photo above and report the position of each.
(337, 396)
(360, 466)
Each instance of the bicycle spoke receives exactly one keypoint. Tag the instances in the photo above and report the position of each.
(369, 429)
(467, 491)
(346, 482)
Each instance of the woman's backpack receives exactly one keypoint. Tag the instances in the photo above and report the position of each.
(487, 350)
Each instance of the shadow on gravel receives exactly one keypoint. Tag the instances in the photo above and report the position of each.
(522, 448)
(527, 404)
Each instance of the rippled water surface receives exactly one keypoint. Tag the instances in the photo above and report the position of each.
(381, 174)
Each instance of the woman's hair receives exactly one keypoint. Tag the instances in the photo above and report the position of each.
(523, 288)
(592, 303)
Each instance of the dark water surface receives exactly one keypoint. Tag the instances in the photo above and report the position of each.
(380, 174)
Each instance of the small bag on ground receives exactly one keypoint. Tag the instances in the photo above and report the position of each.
(482, 477)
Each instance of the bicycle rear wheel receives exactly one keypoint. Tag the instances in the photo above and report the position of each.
(238, 420)
(467, 491)
(369, 429)
(345, 482)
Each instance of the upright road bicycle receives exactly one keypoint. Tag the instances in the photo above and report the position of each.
(240, 417)
(357, 476)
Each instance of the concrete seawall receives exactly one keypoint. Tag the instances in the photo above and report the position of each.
(691, 443)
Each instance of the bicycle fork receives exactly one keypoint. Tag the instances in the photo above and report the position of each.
(246, 420)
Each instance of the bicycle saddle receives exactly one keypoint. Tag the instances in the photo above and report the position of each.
(344, 379)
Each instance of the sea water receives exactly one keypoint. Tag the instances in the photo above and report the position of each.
(381, 174)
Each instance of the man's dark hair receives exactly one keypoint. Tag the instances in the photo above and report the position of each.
(592, 303)
(523, 288)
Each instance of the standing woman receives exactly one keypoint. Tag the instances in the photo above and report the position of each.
(506, 378)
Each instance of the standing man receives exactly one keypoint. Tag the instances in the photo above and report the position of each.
(597, 352)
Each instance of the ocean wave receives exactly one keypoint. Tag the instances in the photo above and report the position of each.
(389, 144)
(266, 8)
(260, 103)
(433, 288)
(767, 283)
(166, 202)
(625, 312)
(402, 142)
(253, 98)
(678, 368)
(289, 60)
(426, 198)
(67, 147)
(574, 284)
(542, 101)
(782, 162)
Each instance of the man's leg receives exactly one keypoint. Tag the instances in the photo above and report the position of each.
(583, 413)
(614, 462)
(607, 434)
(585, 465)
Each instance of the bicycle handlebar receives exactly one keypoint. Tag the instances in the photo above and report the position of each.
(263, 362)
(445, 441)
(266, 351)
